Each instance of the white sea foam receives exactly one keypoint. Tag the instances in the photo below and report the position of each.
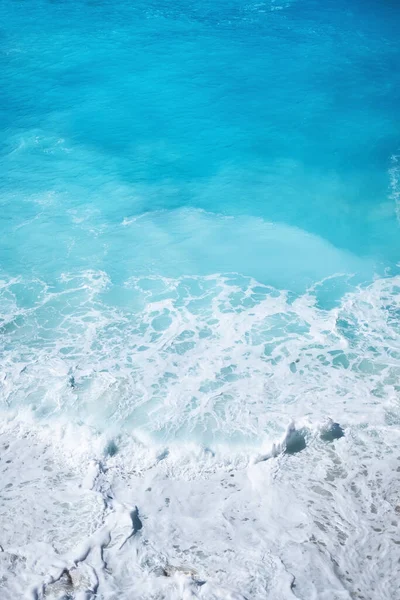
(217, 358)
(145, 476)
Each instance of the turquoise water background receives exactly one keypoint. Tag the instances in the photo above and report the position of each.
(184, 139)
(199, 299)
(284, 111)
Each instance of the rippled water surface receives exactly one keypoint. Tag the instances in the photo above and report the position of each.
(199, 248)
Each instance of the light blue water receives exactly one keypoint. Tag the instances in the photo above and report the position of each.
(181, 140)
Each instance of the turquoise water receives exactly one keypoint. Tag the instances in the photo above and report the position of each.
(151, 146)
(199, 299)
(115, 109)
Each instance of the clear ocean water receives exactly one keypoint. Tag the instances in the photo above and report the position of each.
(199, 299)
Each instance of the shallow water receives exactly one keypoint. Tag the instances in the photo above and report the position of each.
(199, 249)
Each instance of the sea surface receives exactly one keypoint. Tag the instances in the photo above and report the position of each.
(199, 300)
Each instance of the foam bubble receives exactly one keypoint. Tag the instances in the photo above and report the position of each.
(215, 359)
